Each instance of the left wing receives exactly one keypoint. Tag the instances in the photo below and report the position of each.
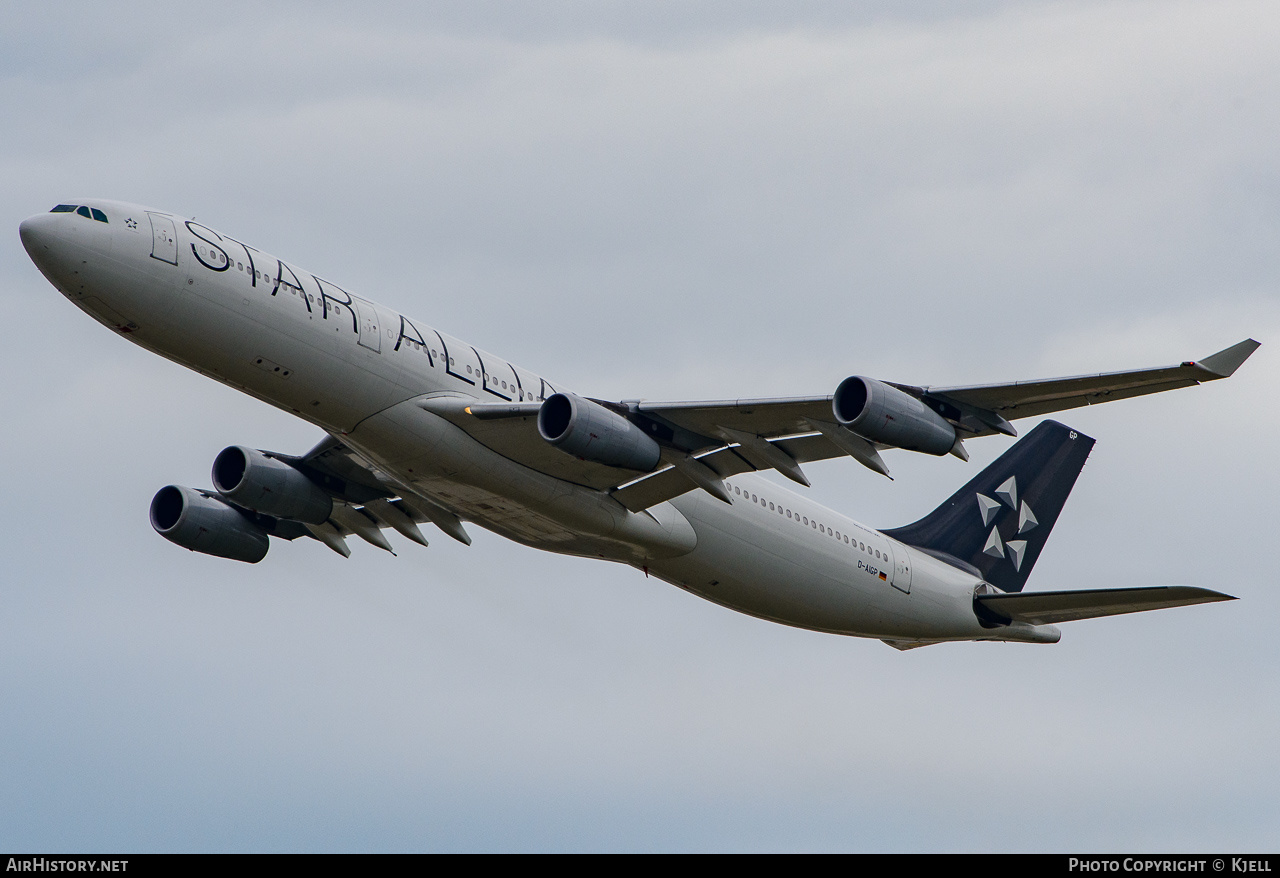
(865, 415)
(1025, 399)
(976, 410)
(644, 453)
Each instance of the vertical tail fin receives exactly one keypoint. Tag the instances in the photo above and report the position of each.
(999, 522)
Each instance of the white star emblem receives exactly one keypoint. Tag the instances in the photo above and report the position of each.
(990, 510)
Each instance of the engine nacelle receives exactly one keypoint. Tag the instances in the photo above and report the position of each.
(206, 524)
(885, 414)
(589, 430)
(251, 479)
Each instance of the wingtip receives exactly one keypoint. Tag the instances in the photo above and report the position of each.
(1225, 362)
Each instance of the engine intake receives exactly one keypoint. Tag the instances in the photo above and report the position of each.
(206, 524)
(249, 478)
(885, 414)
(589, 430)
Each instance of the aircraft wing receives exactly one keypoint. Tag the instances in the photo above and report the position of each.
(366, 502)
(1052, 607)
(1025, 399)
(806, 428)
(979, 410)
(704, 442)
(674, 479)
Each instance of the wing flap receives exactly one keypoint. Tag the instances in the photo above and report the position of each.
(1027, 399)
(1052, 607)
(366, 503)
(764, 417)
(669, 482)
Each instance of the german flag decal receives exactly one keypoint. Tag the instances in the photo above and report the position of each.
(883, 576)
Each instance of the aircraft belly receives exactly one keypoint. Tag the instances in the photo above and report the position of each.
(746, 561)
(429, 454)
(518, 439)
(239, 347)
(270, 348)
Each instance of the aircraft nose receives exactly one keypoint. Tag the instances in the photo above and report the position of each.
(38, 233)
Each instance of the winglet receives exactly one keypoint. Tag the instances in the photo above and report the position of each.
(1224, 363)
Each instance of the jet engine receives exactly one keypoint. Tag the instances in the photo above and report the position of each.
(589, 430)
(206, 524)
(884, 414)
(251, 479)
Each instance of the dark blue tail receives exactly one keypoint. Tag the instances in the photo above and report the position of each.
(999, 522)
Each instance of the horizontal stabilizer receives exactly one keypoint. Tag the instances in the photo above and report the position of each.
(1051, 607)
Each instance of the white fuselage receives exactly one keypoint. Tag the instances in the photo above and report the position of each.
(358, 370)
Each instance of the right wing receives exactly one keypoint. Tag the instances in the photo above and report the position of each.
(365, 503)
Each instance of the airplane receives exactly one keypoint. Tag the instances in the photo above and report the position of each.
(422, 428)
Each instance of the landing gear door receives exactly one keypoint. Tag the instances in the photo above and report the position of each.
(370, 331)
(900, 578)
(164, 238)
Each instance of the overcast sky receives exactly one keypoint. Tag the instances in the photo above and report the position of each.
(672, 201)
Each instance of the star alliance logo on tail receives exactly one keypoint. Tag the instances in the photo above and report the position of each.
(1006, 495)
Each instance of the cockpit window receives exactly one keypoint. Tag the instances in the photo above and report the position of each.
(86, 212)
